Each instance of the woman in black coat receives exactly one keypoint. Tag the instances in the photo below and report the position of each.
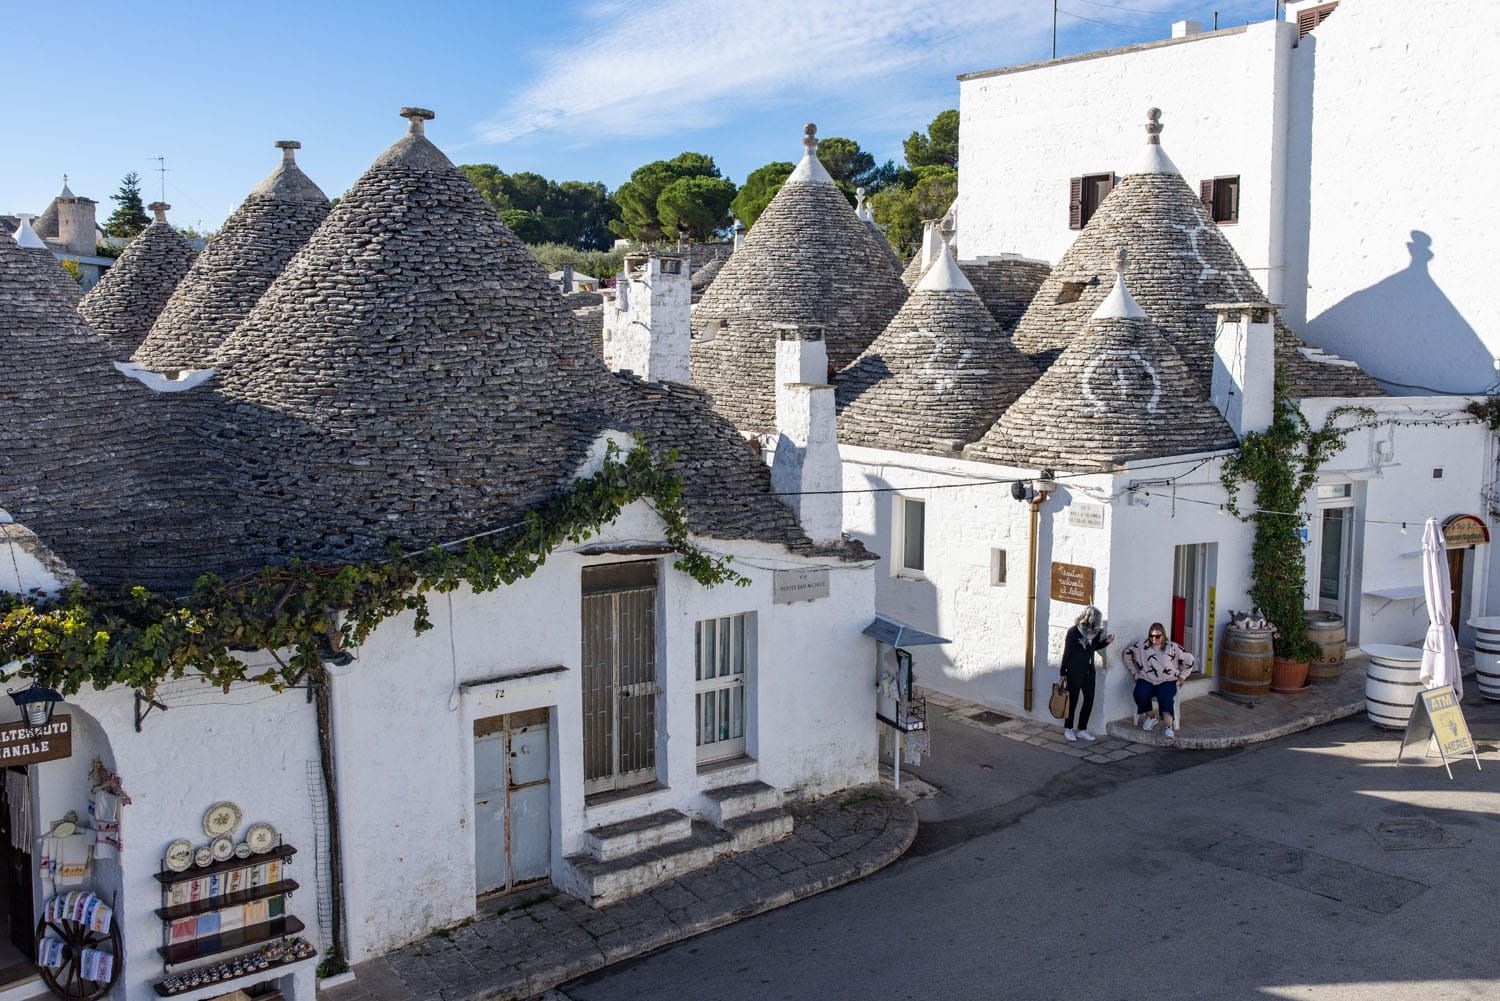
(1085, 638)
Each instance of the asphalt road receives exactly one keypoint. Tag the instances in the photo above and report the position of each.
(1252, 874)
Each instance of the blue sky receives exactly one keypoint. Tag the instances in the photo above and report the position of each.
(583, 90)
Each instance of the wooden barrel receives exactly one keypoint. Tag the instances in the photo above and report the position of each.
(1245, 664)
(1487, 655)
(1326, 630)
(1391, 685)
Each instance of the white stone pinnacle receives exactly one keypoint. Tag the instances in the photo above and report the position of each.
(944, 275)
(1119, 304)
(1153, 159)
(26, 236)
(810, 168)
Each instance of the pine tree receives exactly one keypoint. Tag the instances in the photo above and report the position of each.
(130, 218)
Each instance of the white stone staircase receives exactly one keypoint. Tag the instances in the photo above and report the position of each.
(623, 859)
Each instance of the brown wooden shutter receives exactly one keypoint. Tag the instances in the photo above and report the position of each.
(1113, 180)
(1075, 203)
(1206, 196)
(1311, 17)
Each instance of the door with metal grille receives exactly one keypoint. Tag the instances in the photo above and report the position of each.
(619, 676)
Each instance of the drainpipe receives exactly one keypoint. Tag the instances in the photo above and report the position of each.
(1038, 498)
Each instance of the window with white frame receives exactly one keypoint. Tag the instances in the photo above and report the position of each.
(725, 649)
(909, 548)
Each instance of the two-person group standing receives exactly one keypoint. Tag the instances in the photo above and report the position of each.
(1156, 664)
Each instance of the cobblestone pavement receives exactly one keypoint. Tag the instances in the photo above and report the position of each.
(525, 944)
(1104, 750)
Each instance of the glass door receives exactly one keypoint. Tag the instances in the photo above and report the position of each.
(1334, 550)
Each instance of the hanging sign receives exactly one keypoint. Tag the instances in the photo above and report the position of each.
(1437, 715)
(26, 745)
(1463, 531)
(1073, 583)
(788, 586)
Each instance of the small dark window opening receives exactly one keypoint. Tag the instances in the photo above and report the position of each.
(671, 266)
(1221, 198)
(1071, 291)
(1084, 195)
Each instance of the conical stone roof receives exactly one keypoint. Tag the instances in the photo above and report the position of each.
(1180, 263)
(122, 307)
(94, 463)
(938, 376)
(807, 260)
(235, 269)
(1118, 393)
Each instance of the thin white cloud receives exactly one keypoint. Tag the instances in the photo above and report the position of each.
(635, 70)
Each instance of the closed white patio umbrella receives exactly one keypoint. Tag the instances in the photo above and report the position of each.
(1439, 650)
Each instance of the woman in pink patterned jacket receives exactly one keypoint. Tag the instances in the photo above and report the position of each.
(1158, 667)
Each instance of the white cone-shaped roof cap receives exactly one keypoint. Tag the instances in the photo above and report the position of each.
(1119, 304)
(1153, 159)
(26, 236)
(810, 168)
(945, 275)
(66, 191)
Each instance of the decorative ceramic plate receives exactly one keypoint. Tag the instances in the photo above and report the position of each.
(222, 818)
(242, 850)
(222, 847)
(204, 855)
(179, 855)
(261, 838)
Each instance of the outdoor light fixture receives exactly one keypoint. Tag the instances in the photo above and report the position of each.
(36, 704)
(1020, 491)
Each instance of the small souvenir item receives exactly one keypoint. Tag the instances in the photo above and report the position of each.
(222, 847)
(242, 850)
(179, 855)
(261, 838)
(204, 855)
(222, 818)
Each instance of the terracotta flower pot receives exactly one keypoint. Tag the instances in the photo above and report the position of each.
(1288, 675)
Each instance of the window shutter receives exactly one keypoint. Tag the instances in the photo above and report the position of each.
(1311, 17)
(1113, 180)
(1075, 203)
(1206, 196)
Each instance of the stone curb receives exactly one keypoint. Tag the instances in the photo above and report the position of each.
(1126, 730)
(899, 833)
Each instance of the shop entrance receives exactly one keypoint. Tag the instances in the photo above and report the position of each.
(512, 801)
(17, 922)
(619, 676)
(1335, 548)
(1194, 570)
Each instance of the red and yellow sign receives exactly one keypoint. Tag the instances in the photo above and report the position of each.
(1464, 531)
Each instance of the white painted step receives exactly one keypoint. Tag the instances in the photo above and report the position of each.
(600, 883)
(614, 841)
(727, 802)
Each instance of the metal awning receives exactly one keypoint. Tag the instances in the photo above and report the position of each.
(897, 633)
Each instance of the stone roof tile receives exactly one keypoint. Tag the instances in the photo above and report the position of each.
(127, 300)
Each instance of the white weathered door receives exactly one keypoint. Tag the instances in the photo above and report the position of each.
(512, 801)
(619, 676)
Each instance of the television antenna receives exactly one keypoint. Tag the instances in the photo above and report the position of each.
(161, 168)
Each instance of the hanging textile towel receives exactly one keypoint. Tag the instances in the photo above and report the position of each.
(49, 952)
(96, 966)
(104, 808)
(18, 799)
(72, 860)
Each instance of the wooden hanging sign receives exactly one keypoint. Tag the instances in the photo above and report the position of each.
(1437, 716)
(26, 745)
(1073, 583)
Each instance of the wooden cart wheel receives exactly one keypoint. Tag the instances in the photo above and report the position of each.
(67, 980)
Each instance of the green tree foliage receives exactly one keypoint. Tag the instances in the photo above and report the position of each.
(845, 162)
(698, 206)
(539, 210)
(640, 212)
(758, 190)
(900, 209)
(939, 147)
(129, 216)
(595, 263)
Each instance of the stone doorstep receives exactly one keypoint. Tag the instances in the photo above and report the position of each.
(751, 830)
(628, 837)
(727, 802)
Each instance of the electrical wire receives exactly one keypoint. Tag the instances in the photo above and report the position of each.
(1133, 29)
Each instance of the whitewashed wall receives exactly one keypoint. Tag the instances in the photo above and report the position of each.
(1404, 96)
(404, 726)
(1028, 129)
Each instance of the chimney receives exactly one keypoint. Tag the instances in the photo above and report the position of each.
(1183, 29)
(417, 119)
(1244, 364)
(159, 209)
(75, 225)
(807, 470)
(567, 278)
(739, 234)
(288, 149)
(648, 321)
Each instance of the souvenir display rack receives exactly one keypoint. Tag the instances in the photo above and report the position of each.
(219, 875)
